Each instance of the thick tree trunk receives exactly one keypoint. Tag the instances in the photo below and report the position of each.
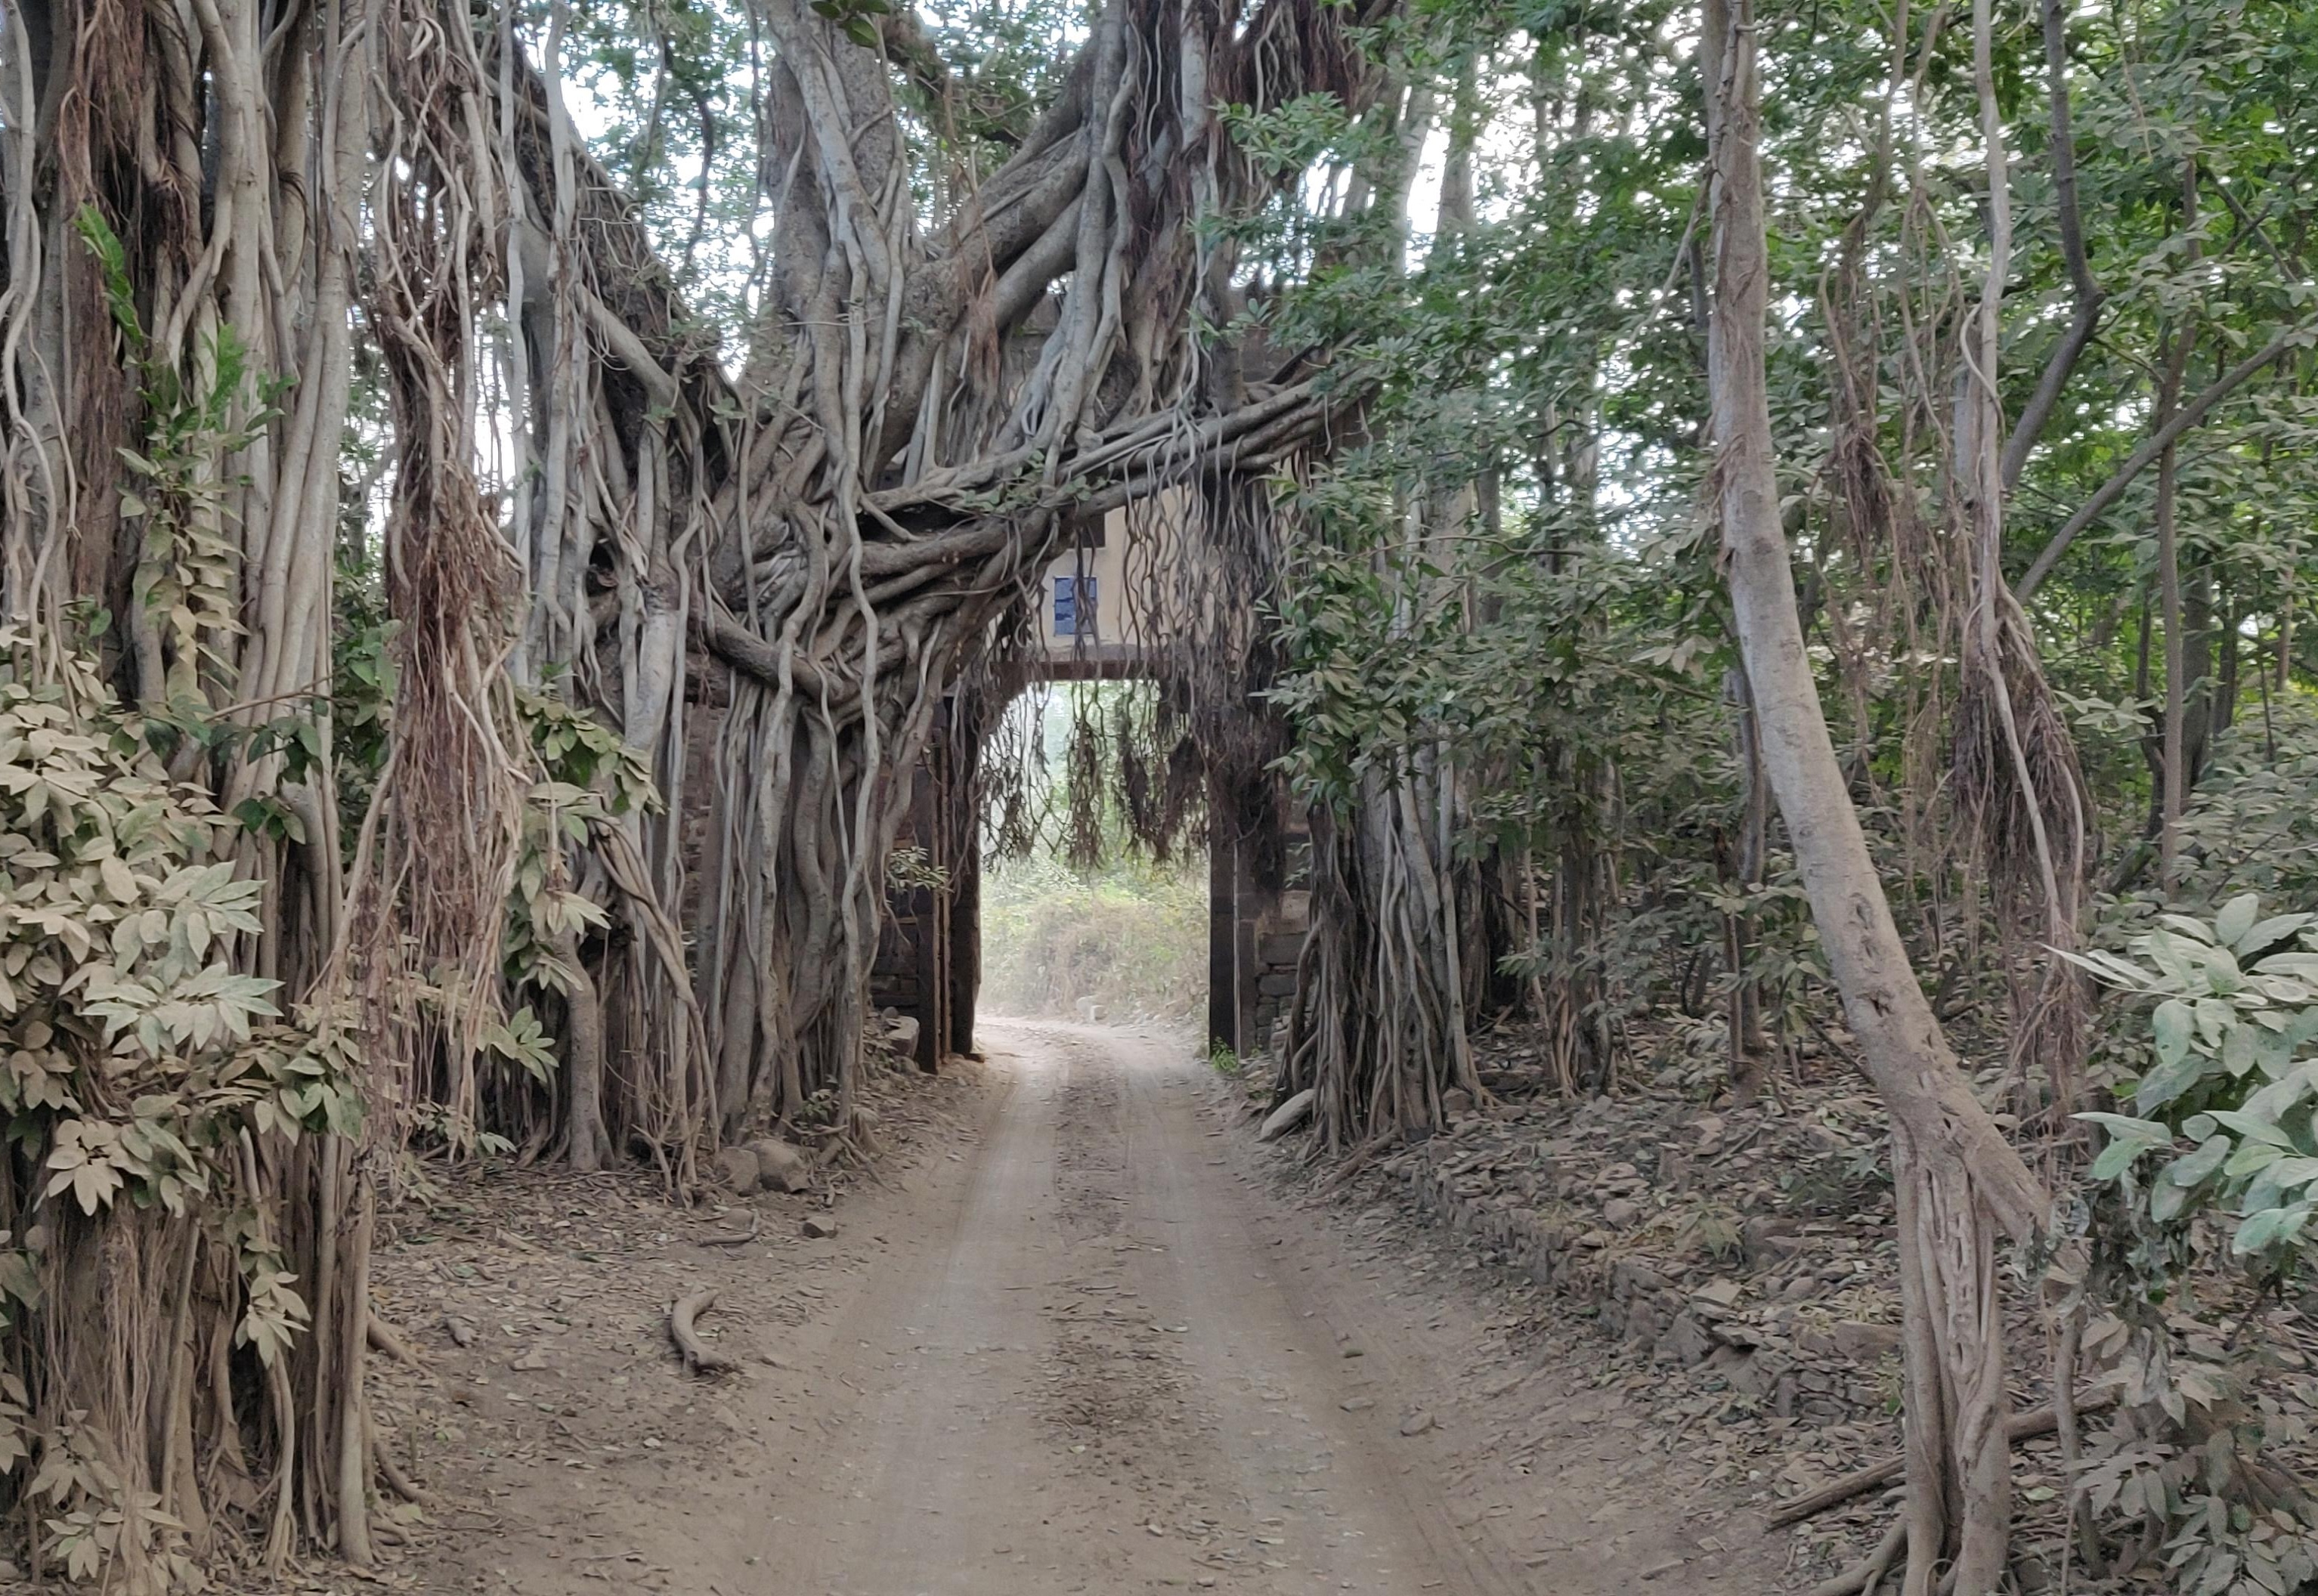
(845, 531)
(1956, 1175)
(1380, 1020)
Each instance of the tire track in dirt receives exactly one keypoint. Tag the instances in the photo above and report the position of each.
(1107, 1390)
(1084, 1351)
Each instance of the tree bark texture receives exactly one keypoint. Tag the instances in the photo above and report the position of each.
(182, 189)
(847, 529)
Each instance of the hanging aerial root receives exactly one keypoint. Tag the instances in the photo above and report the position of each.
(2022, 796)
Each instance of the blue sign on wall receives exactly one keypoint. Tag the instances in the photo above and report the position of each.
(1074, 598)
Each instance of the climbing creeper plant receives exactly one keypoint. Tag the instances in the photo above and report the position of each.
(590, 777)
(140, 1071)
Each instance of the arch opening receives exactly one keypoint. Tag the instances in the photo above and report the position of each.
(1061, 918)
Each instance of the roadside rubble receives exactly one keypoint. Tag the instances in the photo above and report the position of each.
(1732, 1267)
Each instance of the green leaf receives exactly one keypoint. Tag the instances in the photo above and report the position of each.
(2118, 1157)
(2192, 1168)
(113, 268)
(2289, 1173)
(2197, 931)
(2114, 971)
(2268, 933)
(18, 1279)
(2236, 919)
(2251, 1157)
(2172, 1024)
(2252, 1126)
(2167, 1082)
(2270, 1228)
(2124, 1128)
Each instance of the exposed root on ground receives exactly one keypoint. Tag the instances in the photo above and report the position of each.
(2026, 1426)
(683, 1329)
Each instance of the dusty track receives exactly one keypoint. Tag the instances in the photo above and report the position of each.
(1107, 1381)
(1085, 1351)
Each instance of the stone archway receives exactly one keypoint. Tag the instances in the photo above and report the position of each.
(927, 968)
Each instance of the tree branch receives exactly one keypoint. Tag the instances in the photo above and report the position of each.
(2156, 444)
(2090, 296)
(908, 48)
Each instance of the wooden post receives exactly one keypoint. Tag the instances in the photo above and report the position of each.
(931, 908)
(1223, 940)
(1248, 900)
(966, 935)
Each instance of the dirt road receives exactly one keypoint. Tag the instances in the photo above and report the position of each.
(1103, 1379)
(1082, 1351)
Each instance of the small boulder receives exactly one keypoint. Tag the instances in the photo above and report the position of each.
(1716, 1296)
(1416, 1423)
(901, 1036)
(1630, 1277)
(1686, 1342)
(780, 1165)
(1866, 1344)
(1620, 1212)
(817, 1228)
(737, 1167)
(1768, 1241)
(1749, 1372)
(1291, 1114)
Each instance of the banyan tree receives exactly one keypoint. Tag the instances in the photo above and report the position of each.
(662, 615)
